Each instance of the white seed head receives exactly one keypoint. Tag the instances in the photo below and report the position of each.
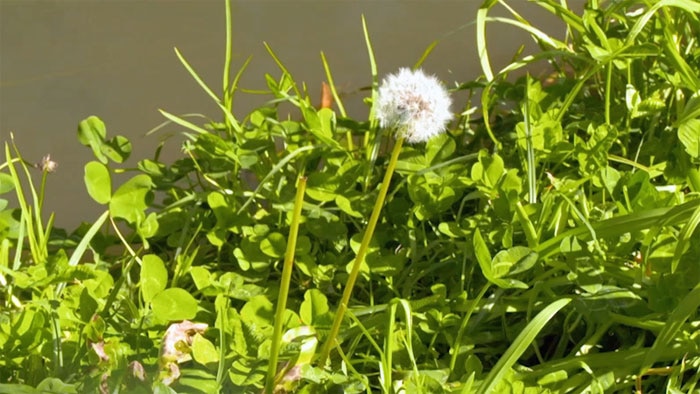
(416, 105)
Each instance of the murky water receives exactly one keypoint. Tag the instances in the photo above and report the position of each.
(61, 61)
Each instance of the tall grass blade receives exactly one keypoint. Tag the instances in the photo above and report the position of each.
(684, 238)
(282, 67)
(182, 122)
(518, 347)
(483, 52)
(688, 306)
(331, 84)
(227, 112)
(425, 54)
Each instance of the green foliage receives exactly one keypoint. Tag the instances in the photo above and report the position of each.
(549, 245)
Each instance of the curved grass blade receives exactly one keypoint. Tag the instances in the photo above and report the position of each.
(483, 53)
(425, 54)
(331, 84)
(283, 68)
(373, 70)
(167, 122)
(539, 34)
(274, 170)
(680, 314)
(227, 113)
(183, 123)
(521, 343)
(623, 224)
(82, 247)
(684, 238)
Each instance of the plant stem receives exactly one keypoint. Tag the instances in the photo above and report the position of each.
(463, 326)
(284, 286)
(371, 225)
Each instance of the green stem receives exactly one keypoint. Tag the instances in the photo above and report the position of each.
(387, 360)
(284, 286)
(608, 89)
(694, 179)
(347, 292)
(463, 326)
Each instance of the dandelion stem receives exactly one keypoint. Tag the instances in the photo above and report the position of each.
(371, 225)
(284, 286)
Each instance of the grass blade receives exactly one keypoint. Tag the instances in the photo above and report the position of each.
(483, 53)
(684, 238)
(521, 343)
(182, 122)
(688, 306)
(331, 84)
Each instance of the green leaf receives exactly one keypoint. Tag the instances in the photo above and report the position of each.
(259, 311)
(689, 135)
(514, 260)
(203, 351)
(201, 277)
(345, 205)
(439, 149)
(53, 385)
(129, 201)
(6, 183)
(481, 250)
(149, 227)
(274, 245)
(488, 169)
(315, 304)
(487, 266)
(154, 277)
(174, 304)
(98, 182)
(92, 133)
(118, 149)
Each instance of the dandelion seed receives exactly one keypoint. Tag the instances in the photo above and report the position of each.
(416, 105)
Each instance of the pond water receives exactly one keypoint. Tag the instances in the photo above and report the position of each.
(65, 60)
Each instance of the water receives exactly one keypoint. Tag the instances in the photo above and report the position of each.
(63, 61)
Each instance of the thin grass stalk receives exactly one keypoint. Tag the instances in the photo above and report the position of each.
(371, 225)
(284, 286)
(463, 326)
(41, 235)
(227, 93)
(34, 234)
(371, 145)
(222, 305)
(339, 103)
(531, 178)
(331, 85)
(387, 360)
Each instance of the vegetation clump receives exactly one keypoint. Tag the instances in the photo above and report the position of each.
(542, 239)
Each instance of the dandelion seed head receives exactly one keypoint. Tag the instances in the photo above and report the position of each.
(416, 105)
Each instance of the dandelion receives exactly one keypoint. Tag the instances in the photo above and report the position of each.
(416, 105)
